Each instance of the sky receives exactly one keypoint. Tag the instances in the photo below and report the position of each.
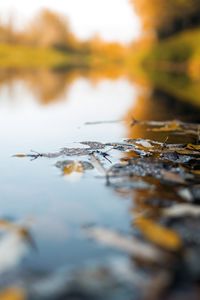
(113, 20)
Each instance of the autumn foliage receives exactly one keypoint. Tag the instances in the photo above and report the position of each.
(165, 18)
(49, 29)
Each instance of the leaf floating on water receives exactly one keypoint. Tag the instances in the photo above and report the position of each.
(15, 243)
(173, 177)
(181, 210)
(13, 293)
(171, 126)
(196, 172)
(159, 235)
(93, 145)
(128, 244)
(73, 167)
(185, 194)
(193, 147)
(20, 155)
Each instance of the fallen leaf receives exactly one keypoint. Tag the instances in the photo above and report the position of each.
(131, 245)
(72, 167)
(171, 126)
(20, 155)
(13, 293)
(185, 194)
(193, 147)
(173, 177)
(196, 172)
(159, 235)
(181, 210)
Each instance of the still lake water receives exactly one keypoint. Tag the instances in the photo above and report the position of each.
(34, 192)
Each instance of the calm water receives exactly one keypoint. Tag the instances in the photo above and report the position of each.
(34, 192)
(45, 112)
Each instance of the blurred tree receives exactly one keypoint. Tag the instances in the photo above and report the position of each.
(7, 33)
(49, 29)
(166, 17)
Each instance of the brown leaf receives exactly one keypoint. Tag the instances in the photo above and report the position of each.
(20, 155)
(193, 147)
(196, 172)
(159, 235)
(72, 167)
(171, 126)
(173, 177)
(13, 293)
(130, 245)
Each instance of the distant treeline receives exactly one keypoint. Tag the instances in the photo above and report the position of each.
(167, 17)
(52, 30)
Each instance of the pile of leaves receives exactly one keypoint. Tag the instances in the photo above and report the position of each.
(163, 179)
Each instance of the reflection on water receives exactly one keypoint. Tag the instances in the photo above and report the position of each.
(34, 190)
(47, 110)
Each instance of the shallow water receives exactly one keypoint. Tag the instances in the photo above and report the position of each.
(47, 111)
(34, 192)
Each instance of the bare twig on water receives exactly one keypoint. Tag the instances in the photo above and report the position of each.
(103, 122)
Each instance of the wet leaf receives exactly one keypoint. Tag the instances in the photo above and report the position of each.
(73, 167)
(94, 145)
(20, 155)
(171, 126)
(181, 210)
(185, 194)
(159, 235)
(193, 147)
(128, 244)
(196, 172)
(13, 293)
(173, 177)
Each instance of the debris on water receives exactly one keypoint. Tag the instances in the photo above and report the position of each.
(162, 181)
(182, 210)
(130, 245)
(103, 122)
(69, 166)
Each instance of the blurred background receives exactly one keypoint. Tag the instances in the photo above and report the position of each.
(64, 64)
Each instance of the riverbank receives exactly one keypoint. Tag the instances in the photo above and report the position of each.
(179, 54)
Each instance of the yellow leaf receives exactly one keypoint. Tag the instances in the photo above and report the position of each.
(172, 126)
(13, 293)
(73, 167)
(193, 147)
(186, 152)
(159, 235)
(20, 155)
(196, 172)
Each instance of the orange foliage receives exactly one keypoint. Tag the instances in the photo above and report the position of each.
(167, 17)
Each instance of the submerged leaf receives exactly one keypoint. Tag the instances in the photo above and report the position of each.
(73, 167)
(13, 293)
(159, 235)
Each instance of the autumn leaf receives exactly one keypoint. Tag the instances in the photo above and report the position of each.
(20, 155)
(13, 293)
(72, 167)
(172, 126)
(172, 177)
(193, 147)
(159, 235)
(196, 172)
